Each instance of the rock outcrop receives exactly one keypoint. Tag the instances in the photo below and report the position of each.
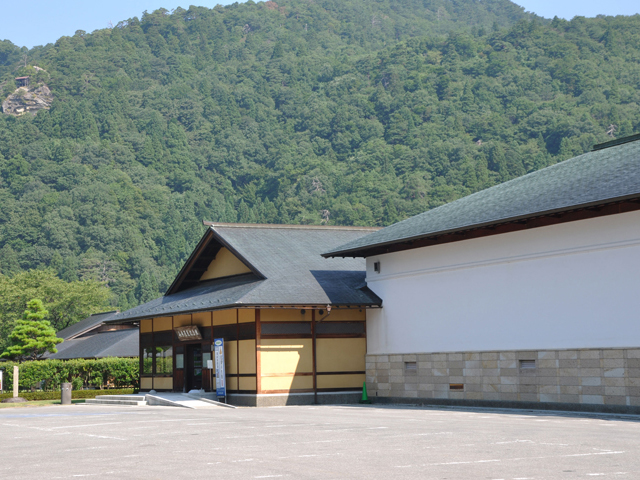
(27, 100)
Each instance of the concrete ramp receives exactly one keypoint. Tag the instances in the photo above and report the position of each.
(185, 400)
(167, 399)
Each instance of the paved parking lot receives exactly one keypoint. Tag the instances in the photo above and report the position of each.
(332, 442)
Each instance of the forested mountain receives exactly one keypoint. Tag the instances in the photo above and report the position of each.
(305, 111)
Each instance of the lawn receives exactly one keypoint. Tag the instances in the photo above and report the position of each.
(37, 403)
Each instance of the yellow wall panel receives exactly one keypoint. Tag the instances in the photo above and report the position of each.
(247, 356)
(340, 381)
(284, 315)
(181, 320)
(202, 319)
(164, 383)
(232, 383)
(340, 354)
(146, 325)
(343, 315)
(146, 383)
(231, 356)
(224, 265)
(286, 355)
(246, 315)
(286, 383)
(161, 324)
(247, 383)
(224, 317)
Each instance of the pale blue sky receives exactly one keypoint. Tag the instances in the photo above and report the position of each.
(39, 22)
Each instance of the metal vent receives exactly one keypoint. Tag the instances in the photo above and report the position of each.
(456, 386)
(527, 364)
(410, 367)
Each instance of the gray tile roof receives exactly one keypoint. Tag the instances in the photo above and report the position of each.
(117, 343)
(290, 272)
(601, 176)
(85, 325)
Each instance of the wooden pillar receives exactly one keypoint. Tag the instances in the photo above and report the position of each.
(313, 353)
(258, 369)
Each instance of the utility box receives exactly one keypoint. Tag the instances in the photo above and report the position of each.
(66, 394)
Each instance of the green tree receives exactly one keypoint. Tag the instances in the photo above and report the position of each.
(32, 335)
(66, 302)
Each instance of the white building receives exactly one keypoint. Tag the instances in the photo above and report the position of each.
(524, 292)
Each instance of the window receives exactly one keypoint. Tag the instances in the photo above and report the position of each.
(376, 267)
(527, 364)
(410, 367)
(164, 361)
(147, 361)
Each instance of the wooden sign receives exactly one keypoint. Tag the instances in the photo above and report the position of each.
(190, 332)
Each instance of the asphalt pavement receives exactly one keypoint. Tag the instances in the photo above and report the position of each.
(322, 442)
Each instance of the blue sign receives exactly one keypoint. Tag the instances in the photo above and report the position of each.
(221, 387)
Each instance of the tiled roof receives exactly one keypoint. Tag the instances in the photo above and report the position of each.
(117, 343)
(605, 175)
(85, 325)
(289, 271)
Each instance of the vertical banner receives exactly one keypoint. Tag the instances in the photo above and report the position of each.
(221, 389)
(1, 389)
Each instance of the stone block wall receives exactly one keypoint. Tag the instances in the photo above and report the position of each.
(584, 376)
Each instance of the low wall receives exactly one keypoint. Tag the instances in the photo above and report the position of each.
(608, 378)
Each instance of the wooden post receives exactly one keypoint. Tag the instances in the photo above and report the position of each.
(15, 381)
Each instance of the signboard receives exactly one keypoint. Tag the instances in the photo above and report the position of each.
(189, 332)
(221, 390)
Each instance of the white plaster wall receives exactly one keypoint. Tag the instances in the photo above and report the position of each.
(573, 285)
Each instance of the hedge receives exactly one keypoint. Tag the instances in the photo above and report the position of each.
(47, 375)
(74, 394)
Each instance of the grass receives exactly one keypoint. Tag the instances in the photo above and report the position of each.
(37, 403)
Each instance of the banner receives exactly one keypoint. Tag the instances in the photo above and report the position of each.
(221, 390)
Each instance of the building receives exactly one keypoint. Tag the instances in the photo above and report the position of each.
(93, 338)
(293, 322)
(523, 292)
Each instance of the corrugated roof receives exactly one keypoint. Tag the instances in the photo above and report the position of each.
(83, 326)
(117, 343)
(292, 272)
(602, 176)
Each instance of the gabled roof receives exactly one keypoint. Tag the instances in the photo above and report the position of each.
(92, 322)
(286, 269)
(609, 174)
(117, 343)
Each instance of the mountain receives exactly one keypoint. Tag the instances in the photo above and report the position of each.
(304, 111)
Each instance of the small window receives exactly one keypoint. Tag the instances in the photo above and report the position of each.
(376, 267)
(410, 367)
(527, 364)
(456, 386)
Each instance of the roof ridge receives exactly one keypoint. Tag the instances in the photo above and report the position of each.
(287, 226)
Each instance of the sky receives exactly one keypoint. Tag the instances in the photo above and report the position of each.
(41, 24)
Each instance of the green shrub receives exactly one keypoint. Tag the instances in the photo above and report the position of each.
(111, 372)
(76, 394)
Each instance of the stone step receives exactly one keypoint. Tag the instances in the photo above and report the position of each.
(139, 398)
(111, 401)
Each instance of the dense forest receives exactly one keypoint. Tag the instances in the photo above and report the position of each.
(302, 111)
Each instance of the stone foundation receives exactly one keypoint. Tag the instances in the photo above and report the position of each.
(606, 377)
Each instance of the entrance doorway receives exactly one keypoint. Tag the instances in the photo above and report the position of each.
(193, 377)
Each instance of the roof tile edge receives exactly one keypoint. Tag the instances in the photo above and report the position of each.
(285, 226)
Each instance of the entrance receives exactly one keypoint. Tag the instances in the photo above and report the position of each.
(193, 377)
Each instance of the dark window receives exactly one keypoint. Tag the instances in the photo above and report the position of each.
(146, 339)
(163, 338)
(340, 328)
(228, 332)
(285, 328)
(247, 331)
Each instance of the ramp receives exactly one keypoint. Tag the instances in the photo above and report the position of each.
(167, 399)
